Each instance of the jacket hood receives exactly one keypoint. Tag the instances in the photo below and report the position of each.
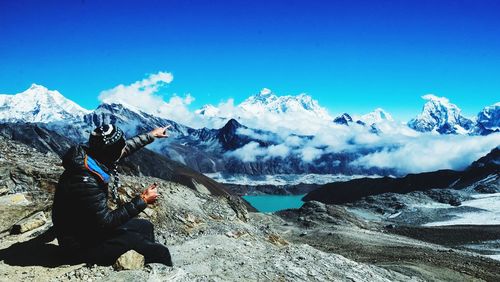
(74, 159)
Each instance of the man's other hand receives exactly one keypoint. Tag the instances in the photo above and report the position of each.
(161, 132)
(150, 195)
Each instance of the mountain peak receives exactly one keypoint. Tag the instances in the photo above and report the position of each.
(266, 101)
(41, 91)
(488, 120)
(441, 116)
(38, 104)
(232, 123)
(208, 111)
(227, 135)
(343, 119)
(37, 87)
(265, 92)
(376, 116)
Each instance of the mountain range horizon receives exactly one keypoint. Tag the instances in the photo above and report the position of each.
(211, 110)
(270, 134)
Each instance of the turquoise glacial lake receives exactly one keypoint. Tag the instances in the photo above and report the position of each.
(272, 203)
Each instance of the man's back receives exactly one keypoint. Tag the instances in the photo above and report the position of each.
(78, 193)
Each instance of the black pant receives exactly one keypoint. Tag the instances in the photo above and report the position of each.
(136, 234)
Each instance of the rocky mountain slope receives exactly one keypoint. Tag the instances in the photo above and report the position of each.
(142, 163)
(457, 209)
(210, 237)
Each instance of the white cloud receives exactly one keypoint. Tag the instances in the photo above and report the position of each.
(142, 95)
(429, 97)
(397, 147)
(280, 150)
(252, 151)
(402, 149)
(293, 140)
(310, 153)
(248, 153)
(252, 133)
(431, 152)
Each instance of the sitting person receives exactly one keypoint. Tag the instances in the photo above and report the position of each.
(86, 229)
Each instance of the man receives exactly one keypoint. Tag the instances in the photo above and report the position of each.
(86, 228)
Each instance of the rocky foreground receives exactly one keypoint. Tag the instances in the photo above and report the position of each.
(215, 238)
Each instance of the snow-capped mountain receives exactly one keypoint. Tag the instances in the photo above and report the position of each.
(208, 111)
(441, 116)
(376, 122)
(488, 120)
(343, 119)
(235, 146)
(38, 104)
(375, 117)
(268, 102)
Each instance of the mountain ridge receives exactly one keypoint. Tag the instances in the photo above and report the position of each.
(441, 116)
(38, 104)
(223, 149)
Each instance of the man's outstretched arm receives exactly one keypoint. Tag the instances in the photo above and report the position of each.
(135, 143)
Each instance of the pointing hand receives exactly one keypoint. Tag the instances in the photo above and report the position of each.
(161, 132)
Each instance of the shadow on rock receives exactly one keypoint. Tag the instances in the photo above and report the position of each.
(36, 252)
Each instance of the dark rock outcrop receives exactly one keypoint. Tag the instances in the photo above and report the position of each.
(350, 191)
(315, 213)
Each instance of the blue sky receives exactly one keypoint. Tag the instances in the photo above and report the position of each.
(352, 56)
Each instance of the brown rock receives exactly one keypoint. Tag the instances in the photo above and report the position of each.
(129, 261)
(14, 199)
(4, 190)
(30, 223)
(277, 240)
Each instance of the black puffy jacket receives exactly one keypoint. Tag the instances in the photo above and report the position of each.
(80, 212)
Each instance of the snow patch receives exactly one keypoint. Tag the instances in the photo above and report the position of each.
(489, 215)
(282, 179)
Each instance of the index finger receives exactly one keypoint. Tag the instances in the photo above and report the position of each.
(168, 126)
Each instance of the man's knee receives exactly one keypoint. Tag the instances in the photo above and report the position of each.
(143, 223)
(155, 253)
(148, 224)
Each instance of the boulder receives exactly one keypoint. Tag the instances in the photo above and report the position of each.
(3, 191)
(129, 261)
(14, 200)
(13, 208)
(29, 223)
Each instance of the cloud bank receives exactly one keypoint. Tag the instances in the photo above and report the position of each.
(432, 152)
(397, 147)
